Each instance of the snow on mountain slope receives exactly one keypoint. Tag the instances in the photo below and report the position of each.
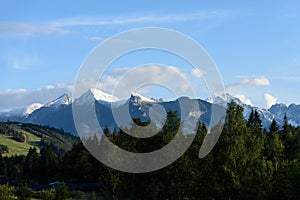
(58, 113)
(33, 107)
(93, 95)
(266, 115)
(276, 112)
(16, 112)
(278, 109)
(63, 100)
(23, 111)
(137, 98)
(224, 99)
(292, 112)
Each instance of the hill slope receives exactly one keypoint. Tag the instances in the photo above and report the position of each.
(17, 138)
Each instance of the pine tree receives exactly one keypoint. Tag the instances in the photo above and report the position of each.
(250, 119)
(241, 167)
(289, 139)
(254, 122)
(274, 147)
(31, 165)
(48, 165)
(285, 128)
(114, 135)
(2, 166)
(106, 131)
(274, 127)
(230, 152)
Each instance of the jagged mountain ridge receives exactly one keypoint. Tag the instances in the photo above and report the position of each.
(277, 111)
(58, 113)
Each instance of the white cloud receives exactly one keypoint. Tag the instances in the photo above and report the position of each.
(111, 40)
(96, 38)
(13, 98)
(153, 18)
(128, 80)
(256, 81)
(22, 61)
(146, 79)
(121, 82)
(8, 29)
(49, 87)
(243, 99)
(270, 100)
(13, 91)
(23, 29)
(197, 73)
(58, 26)
(248, 81)
(251, 81)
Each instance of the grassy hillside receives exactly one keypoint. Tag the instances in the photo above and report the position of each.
(19, 148)
(17, 138)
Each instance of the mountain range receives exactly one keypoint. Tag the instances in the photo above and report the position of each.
(58, 112)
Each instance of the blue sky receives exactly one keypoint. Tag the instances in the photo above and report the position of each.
(255, 45)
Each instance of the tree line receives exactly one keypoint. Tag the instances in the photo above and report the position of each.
(49, 136)
(247, 162)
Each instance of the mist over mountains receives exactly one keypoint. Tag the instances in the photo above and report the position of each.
(58, 112)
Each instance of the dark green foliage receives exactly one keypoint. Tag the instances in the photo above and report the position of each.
(58, 139)
(289, 140)
(46, 194)
(6, 192)
(3, 149)
(49, 165)
(19, 137)
(6, 129)
(24, 193)
(31, 166)
(246, 163)
(62, 192)
(254, 122)
(274, 127)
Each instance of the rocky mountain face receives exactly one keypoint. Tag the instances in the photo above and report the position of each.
(58, 113)
(276, 112)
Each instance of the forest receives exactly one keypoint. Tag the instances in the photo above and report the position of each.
(248, 162)
(17, 138)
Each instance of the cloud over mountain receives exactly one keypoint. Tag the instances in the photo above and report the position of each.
(13, 98)
(270, 100)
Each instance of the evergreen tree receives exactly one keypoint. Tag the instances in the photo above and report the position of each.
(62, 192)
(106, 131)
(246, 163)
(274, 147)
(274, 127)
(288, 139)
(238, 156)
(48, 165)
(2, 170)
(254, 122)
(230, 151)
(31, 165)
(285, 128)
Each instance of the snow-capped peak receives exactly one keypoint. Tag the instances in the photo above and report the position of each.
(62, 100)
(31, 108)
(22, 111)
(279, 106)
(223, 99)
(94, 94)
(102, 96)
(137, 98)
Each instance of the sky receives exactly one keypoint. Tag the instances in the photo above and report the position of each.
(255, 46)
